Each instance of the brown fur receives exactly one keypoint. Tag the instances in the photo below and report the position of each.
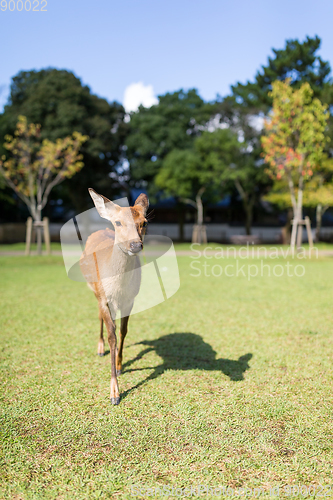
(113, 273)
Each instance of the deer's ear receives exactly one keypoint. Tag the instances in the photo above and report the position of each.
(104, 206)
(143, 201)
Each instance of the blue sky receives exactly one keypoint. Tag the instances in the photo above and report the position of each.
(168, 44)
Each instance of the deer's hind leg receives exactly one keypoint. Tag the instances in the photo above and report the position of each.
(100, 348)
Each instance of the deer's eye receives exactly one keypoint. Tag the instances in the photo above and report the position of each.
(118, 223)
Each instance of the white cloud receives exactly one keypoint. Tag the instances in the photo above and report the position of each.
(138, 93)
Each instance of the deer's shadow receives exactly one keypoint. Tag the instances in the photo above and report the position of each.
(186, 351)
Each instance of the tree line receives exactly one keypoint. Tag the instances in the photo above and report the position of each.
(185, 147)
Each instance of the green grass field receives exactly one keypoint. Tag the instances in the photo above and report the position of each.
(228, 383)
(20, 247)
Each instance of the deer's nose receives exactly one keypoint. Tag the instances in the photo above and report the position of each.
(136, 246)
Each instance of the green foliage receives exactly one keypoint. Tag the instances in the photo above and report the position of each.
(319, 190)
(172, 124)
(279, 194)
(295, 137)
(184, 172)
(62, 104)
(248, 104)
(219, 151)
(181, 174)
(233, 166)
(298, 61)
(57, 100)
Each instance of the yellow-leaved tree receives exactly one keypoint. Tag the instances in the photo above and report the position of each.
(293, 145)
(33, 167)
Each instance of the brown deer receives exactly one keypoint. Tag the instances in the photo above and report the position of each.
(111, 267)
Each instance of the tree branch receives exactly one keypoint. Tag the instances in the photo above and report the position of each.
(292, 191)
(189, 202)
(240, 189)
(24, 198)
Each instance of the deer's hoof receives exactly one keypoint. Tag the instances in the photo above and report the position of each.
(101, 354)
(115, 401)
(118, 372)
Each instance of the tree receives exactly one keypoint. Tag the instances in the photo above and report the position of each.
(33, 168)
(233, 166)
(190, 173)
(298, 61)
(181, 176)
(173, 123)
(61, 104)
(294, 142)
(245, 109)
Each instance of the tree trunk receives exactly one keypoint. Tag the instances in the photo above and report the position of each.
(201, 231)
(297, 230)
(248, 218)
(39, 231)
(300, 202)
(198, 227)
(248, 203)
(198, 201)
(180, 223)
(300, 213)
(286, 230)
(319, 211)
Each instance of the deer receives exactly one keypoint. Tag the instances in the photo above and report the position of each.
(111, 267)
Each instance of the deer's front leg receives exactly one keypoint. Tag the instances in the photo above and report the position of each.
(111, 328)
(122, 335)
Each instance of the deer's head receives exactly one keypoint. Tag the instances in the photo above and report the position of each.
(129, 223)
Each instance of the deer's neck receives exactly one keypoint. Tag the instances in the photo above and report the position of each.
(121, 262)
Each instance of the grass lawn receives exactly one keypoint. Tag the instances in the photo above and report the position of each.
(20, 247)
(228, 383)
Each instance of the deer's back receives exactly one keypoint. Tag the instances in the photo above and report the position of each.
(100, 240)
(117, 280)
(97, 252)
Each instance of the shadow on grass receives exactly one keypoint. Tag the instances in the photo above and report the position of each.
(186, 351)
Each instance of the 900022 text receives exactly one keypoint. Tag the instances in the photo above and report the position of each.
(26, 6)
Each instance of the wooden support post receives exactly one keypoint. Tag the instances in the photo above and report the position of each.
(293, 234)
(299, 234)
(46, 230)
(297, 231)
(28, 236)
(308, 229)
